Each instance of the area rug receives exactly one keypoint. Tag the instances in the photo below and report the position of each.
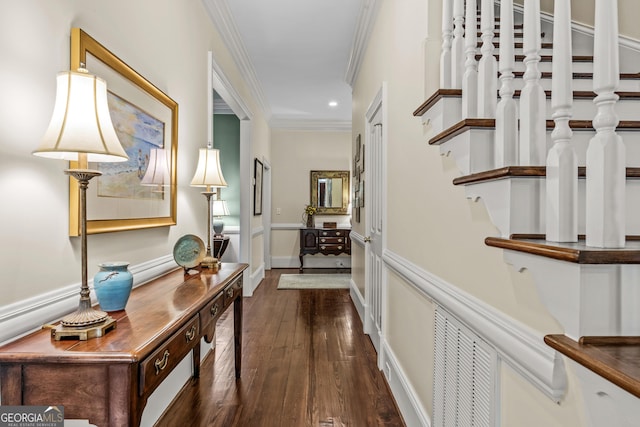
(314, 281)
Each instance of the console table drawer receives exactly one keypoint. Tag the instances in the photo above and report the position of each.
(332, 240)
(155, 368)
(232, 291)
(333, 233)
(331, 249)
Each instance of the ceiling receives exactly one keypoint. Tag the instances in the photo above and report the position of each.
(297, 55)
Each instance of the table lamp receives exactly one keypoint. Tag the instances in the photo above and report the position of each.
(209, 175)
(219, 210)
(81, 130)
(157, 174)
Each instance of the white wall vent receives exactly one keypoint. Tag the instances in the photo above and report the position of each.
(465, 376)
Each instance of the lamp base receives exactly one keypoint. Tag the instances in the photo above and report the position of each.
(210, 263)
(60, 332)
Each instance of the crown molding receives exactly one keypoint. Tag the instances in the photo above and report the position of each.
(314, 125)
(368, 12)
(221, 17)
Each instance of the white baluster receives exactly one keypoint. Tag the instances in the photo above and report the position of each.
(562, 164)
(447, 35)
(457, 48)
(606, 175)
(470, 78)
(506, 141)
(487, 67)
(533, 127)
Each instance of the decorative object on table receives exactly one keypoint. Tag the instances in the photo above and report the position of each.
(219, 210)
(113, 284)
(189, 251)
(209, 174)
(81, 130)
(157, 174)
(134, 103)
(257, 187)
(329, 224)
(308, 216)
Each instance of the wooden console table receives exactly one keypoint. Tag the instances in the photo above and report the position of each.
(326, 241)
(108, 380)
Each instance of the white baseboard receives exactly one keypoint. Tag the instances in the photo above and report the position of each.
(310, 261)
(413, 413)
(22, 317)
(255, 280)
(358, 300)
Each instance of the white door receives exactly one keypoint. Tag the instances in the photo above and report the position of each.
(374, 198)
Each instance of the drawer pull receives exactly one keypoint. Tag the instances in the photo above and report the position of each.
(191, 333)
(323, 247)
(340, 247)
(338, 233)
(214, 309)
(160, 364)
(339, 240)
(324, 233)
(230, 292)
(323, 240)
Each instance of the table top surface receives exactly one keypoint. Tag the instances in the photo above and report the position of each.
(154, 311)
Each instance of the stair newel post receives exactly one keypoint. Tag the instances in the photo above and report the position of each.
(562, 164)
(470, 77)
(457, 48)
(606, 158)
(506, 140)
(487, 67)
(447, 36)
(533, 129)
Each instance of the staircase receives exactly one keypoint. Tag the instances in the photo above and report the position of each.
(549, 141)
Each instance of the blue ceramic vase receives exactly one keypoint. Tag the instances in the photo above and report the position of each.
(113, 285)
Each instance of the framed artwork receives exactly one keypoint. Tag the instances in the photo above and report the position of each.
(257, 187)
(144, 118)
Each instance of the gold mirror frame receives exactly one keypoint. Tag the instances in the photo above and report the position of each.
(315, 175)
(81, 44)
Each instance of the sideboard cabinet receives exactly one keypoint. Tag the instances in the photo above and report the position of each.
(326, 241)
(108, 380)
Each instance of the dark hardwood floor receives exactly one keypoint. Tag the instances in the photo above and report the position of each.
(305, 362)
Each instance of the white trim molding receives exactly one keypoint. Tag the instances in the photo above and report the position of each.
(517, 344)
(413, 413)
(310, 125)
(364, 26)
(28, 315)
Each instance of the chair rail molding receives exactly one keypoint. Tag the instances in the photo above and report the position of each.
(516, 343)
(23, 317)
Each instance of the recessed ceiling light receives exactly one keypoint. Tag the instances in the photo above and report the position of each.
(333, 103)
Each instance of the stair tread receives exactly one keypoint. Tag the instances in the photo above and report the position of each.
(520, 45)
(545, 58)
(483, 123)
(523, 172)
(442, 93)
(577, 252)
(576, 76)
(614, 358)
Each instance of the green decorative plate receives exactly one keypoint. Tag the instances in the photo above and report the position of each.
(189, 251)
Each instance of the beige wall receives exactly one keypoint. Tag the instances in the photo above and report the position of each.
(429, 221)
(295, 154)
(167, 42)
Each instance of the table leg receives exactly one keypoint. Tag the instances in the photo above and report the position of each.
(237, 332)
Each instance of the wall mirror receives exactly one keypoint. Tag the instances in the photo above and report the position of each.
(330, 192)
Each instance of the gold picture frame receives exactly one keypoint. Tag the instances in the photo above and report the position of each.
(120, 214)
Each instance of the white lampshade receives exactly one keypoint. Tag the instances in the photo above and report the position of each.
(219, 208)
(158, 170)
(208, 172)
(81, 122)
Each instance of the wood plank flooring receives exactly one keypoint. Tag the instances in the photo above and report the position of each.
(305, 362)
